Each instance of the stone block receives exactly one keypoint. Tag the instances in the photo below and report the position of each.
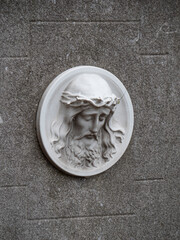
(72, 41)
(159, 21)
(155, 205)
(151, 215)
(17, 127)
(13, 213)
(56, 195)
(104, 228)
(85, 10)
(14, 25)
(154, 121)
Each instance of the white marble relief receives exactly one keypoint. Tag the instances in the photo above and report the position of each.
(85, 120)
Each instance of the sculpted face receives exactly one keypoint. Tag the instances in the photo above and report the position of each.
(87, 124)
(85, 120)
(83, 147)
(84, 135)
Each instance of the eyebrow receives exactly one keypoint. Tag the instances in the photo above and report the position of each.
(105, 112)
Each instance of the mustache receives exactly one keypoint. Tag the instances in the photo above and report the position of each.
(88, 134)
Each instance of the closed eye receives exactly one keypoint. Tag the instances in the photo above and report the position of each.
(87, 118)
(102, 117)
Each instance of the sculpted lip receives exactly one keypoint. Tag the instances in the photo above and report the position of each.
(91, 136)
(88, 136)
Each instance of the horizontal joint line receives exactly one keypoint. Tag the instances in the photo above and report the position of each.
(85, 21)
(84, 217)
(153, 54)
(14, 58)
(13, 186)
(148, 179)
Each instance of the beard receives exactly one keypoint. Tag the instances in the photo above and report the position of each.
(82, 152)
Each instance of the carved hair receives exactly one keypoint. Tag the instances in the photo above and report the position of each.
(72, 105)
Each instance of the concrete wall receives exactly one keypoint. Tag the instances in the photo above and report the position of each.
(137, 199)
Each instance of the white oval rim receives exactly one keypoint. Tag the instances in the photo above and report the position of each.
(41, 110)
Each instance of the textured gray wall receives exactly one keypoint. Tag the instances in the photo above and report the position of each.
(137, 199)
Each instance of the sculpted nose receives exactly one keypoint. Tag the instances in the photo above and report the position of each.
(95, 125)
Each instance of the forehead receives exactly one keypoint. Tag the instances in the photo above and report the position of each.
(94, 110)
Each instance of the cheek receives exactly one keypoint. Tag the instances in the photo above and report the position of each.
(101, 124)
(80, 124)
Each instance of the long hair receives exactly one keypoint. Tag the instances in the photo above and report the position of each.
(71, 105)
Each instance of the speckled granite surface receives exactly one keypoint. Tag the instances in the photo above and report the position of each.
(138, 198)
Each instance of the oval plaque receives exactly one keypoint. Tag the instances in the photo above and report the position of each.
(85, 120)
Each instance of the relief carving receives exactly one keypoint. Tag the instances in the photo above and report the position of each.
(85, 120)
(84, 133)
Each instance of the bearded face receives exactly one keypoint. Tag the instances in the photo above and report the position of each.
(83, 154)
(83, 147)
(90, 138)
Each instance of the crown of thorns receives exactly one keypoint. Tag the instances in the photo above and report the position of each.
(75, 100)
